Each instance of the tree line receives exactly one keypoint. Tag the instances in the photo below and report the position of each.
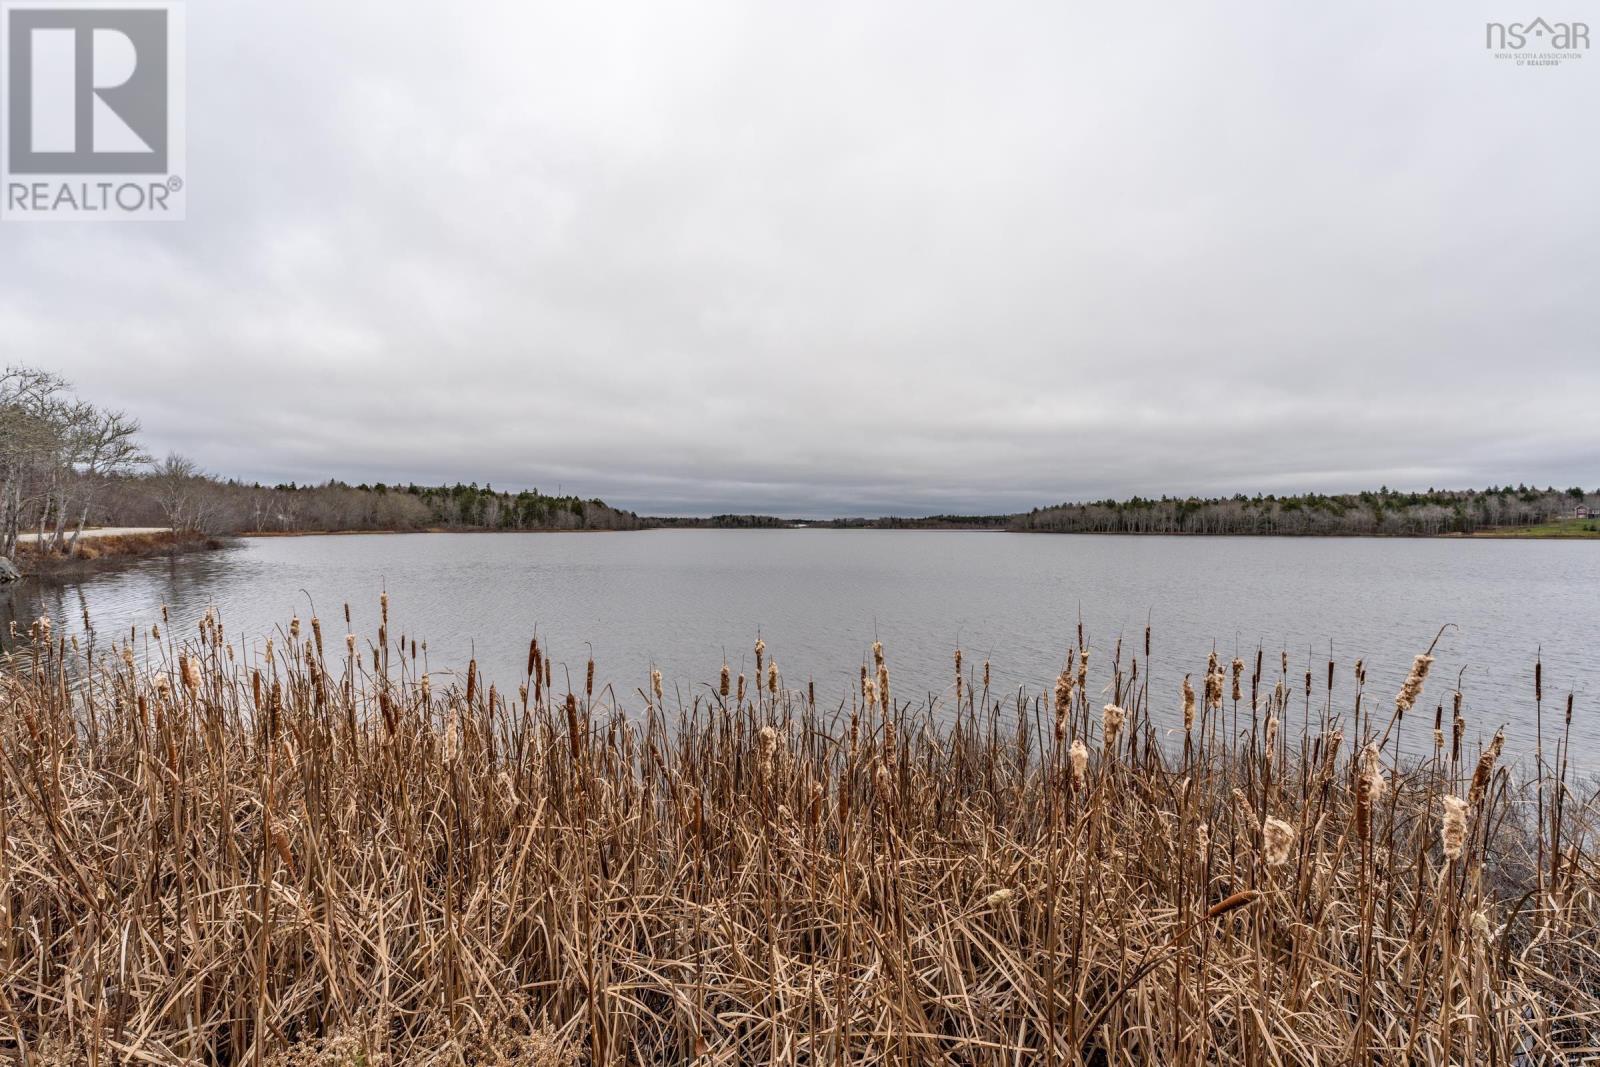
(1381, 512)
(66, 465)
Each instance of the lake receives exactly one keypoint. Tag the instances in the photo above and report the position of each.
(683, 599)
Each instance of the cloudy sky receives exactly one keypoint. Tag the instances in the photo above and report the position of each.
(853, 258)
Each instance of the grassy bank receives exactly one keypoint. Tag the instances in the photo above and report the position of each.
(92, 551)
(312, 854)
(1565, 529)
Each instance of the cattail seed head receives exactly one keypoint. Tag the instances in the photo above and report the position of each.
(1411, 688)
(1372, 770)
(1063, 697)
(768, 740)
(1000, 898)
(1485, 769)
(1078, 756)
(1112, 718)
(1453, 830)
(452, 738)
(727, 680)
(1277, 838)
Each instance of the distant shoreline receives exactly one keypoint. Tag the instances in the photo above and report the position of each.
(1507, 533)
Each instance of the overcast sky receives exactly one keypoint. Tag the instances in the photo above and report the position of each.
(848, 258)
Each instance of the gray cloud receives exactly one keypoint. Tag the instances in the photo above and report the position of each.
(841, 258)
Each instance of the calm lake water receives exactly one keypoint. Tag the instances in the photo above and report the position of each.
(682, 599)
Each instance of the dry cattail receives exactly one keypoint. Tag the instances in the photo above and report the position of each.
(1188, 705)
(1372, 770)
(769, 745)
(772, 679)
(1369, 787)
(1277, 838)
(727, 681)
(1063, 699)
(1411, 689)
(1078, 756)
(1238, 674)
(1243, 898)
(1481, 776)
(452, 738)
(1000, 898)
(1453, 830)
(761, 652)
(280, 841)
(1111, 722)
(190, 669)
(655, 684)
(1214, 680)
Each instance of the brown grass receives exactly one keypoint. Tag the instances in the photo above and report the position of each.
(316, 856)
(117, 546)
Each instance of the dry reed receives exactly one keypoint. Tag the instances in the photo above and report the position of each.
(292, 860)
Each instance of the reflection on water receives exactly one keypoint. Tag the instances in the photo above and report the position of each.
(682, 599)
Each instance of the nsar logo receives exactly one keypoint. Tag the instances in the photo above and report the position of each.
(1551, 43)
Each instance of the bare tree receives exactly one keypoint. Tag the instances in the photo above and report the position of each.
(175, 483)
(104, 446)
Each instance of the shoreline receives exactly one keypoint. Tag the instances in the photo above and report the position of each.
(94, 554)
(1506, 533)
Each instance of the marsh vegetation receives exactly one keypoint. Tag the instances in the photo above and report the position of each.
(311, 851)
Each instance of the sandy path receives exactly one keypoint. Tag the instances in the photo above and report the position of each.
(103, 531)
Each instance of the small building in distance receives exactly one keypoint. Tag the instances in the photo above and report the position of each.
(1584, 511)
